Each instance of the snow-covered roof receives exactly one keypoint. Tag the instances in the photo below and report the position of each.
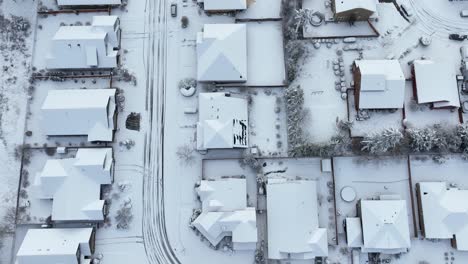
(74, 184)
(225, 213)
(81, 112)
(88, 2)
(349, 5)
(222, 53)
(353, 232)
(223, 195)
(82, 47)
(223, 5)
(436, 83)
(223, 122)
(292, 215)
(382, 84)
(445, 212)
(55, 245)
(385, 226)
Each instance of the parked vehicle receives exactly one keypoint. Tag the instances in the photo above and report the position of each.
(464, 13)
(457, 37)
(174, 10)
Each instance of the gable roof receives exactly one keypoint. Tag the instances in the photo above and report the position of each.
(83, 112)
(445, 212)
(436, 83)
(76, 193)
(224, 5)
(222, 53)
(225, 213)
(385, 225)
(348, 5)
(382, 84)
(54, 245)
(293, 228)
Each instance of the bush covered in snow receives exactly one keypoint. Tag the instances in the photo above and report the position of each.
(382, 142)
(295, 115)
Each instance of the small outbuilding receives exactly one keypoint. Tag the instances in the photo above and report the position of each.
(82, 112)
(86, 47)
(89, 2)
(353, 10)
(222, 53)
(223, 5)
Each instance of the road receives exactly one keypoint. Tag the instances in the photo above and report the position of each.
(435, 23)
(157, 246)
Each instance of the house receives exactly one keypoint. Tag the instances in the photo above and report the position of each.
(57, 245)
(435, 83)
(381, 226)
(354, 10)
(86, 47)
(379, 84)
(83, 112)
(292, 216)
(225, 213)
(223, 122)
(443, 213)
(223, 5)
(73, 185)
(222, 53)
(88, 2)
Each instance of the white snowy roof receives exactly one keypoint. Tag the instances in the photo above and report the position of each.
(241, 225)
(293, 229)
(54, 245)
(88, 2)
(86, 112)
(224, 5)
(445, 212)
(382, 84)
(223, 122)
(225, 213)
(385, 225)
(222, 53)
(223, 195)
(347, 5)
(436, 83)
(353, 232)
(74, 184)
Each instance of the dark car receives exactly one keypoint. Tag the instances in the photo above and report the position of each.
(457, 37)
(174, 10)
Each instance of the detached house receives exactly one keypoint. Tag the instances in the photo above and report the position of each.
(435, 83)
(222, 53)
(379, 84)
(225, 213)
(443, 213)
(381, 226)
(57, 245)
(83, 112)
(74, 185)
(223, 122)
(86, 47)
(292, 216)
